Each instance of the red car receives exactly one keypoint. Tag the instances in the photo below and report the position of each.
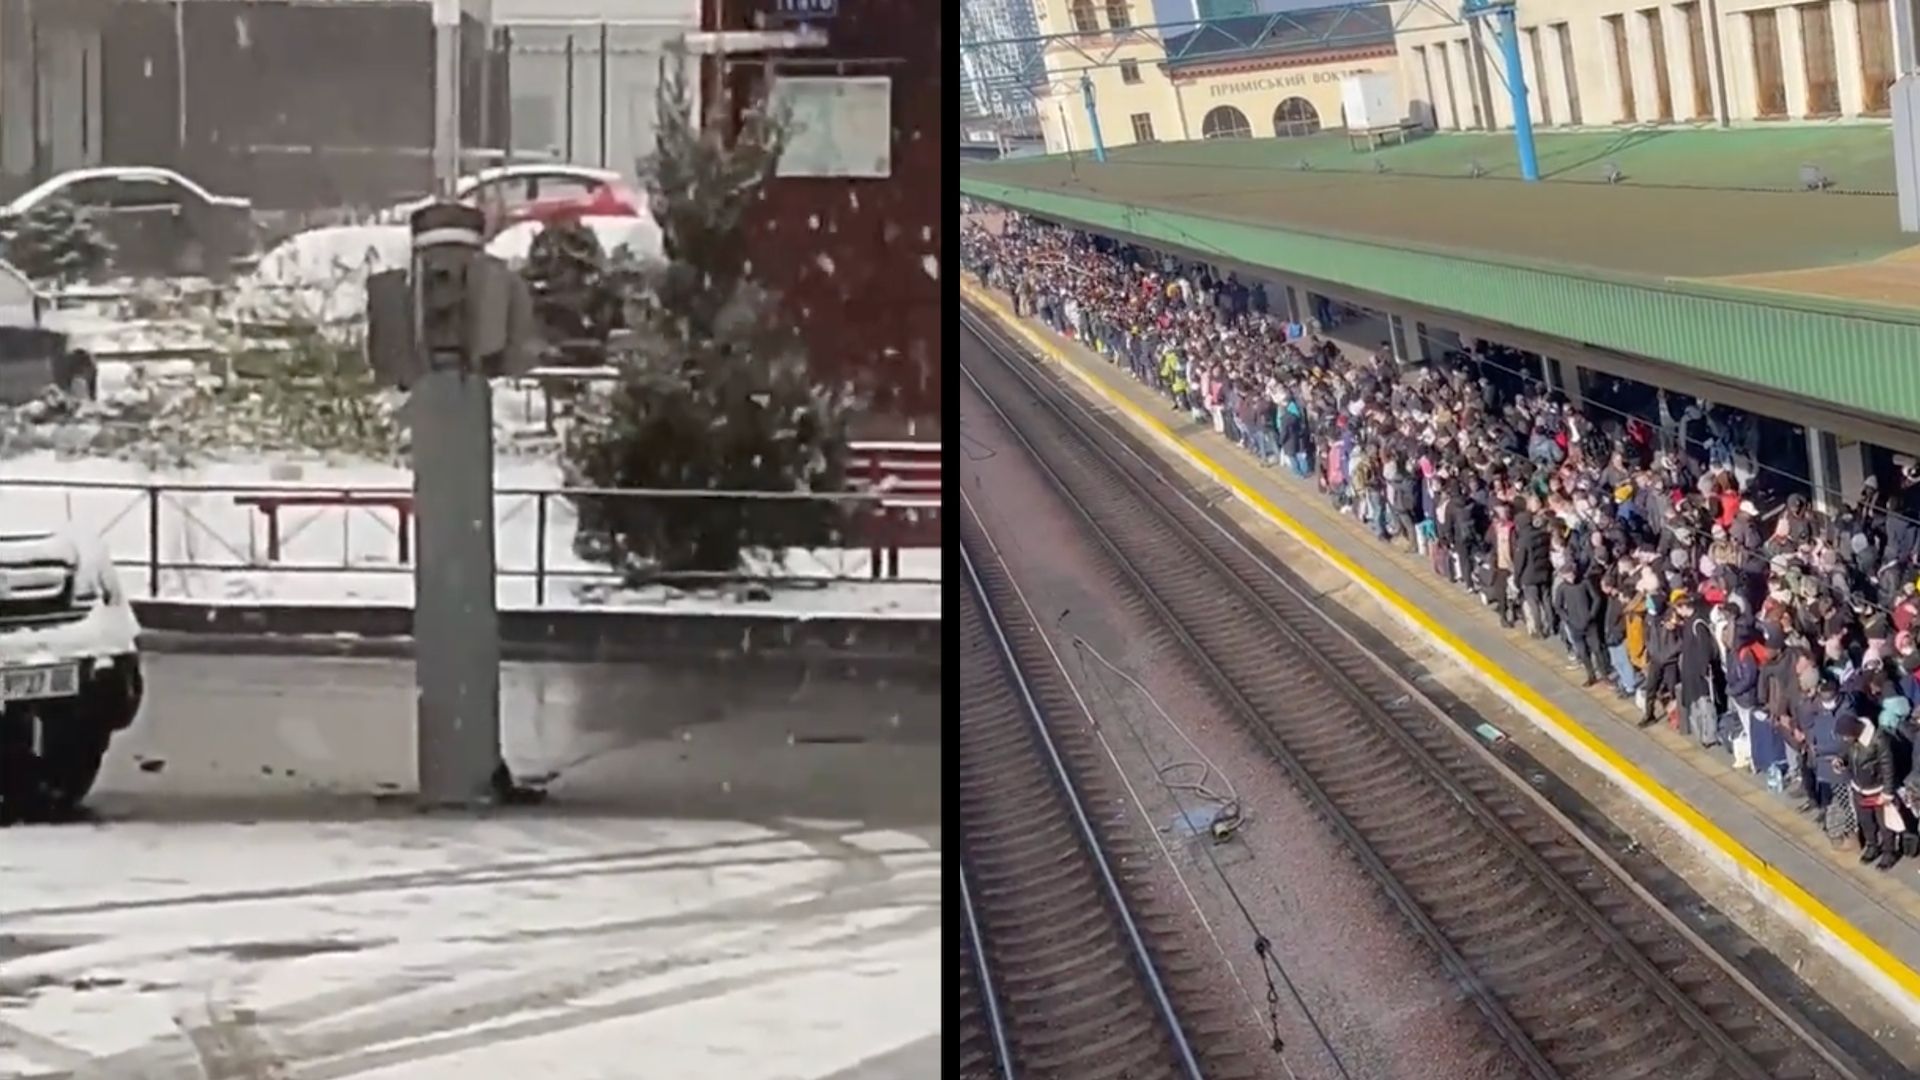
(511, 194)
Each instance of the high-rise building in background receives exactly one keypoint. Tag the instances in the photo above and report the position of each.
(994, 79)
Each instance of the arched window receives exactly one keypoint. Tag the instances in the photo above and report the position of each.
(1295, 116)
(1225, 122)
(1084, 20)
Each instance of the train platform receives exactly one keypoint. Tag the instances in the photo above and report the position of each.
(1867, 921)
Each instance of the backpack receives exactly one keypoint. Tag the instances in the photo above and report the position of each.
(1841, 821)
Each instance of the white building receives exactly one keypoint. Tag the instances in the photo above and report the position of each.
(584, 74)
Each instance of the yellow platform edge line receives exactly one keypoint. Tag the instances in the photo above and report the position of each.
(1825, 917)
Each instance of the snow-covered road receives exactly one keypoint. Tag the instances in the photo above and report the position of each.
(419, 948)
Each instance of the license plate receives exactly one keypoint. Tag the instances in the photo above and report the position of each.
(39, 683)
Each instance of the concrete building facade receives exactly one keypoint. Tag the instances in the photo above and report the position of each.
(1621, 62)
(1202, 83)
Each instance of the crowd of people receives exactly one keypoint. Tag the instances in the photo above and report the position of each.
(1654, 551)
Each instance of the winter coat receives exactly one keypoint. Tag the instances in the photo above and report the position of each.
(1613, 620)
(1817, 723)
(1699, 657)
(1532, 552)
(1743, 675)
(1635, 640)
(1404, 493)
(1663, 649)
(1578, 604)
(1293, 428)
(1870, 764)
(1466, 524)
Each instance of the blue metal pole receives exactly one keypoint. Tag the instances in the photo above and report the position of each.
(1517, 92)
(1093, 118)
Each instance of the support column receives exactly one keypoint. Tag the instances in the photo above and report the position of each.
(1397, 338)
(455, 622)
(1823, 469)
(1517, 92)
(1093, 118)
(1906, 37)
(1851, 462)
(1296, 311)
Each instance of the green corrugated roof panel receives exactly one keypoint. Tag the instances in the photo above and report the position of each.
(1614, 229)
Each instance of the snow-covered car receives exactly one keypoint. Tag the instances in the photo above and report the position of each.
(159, 222)
(69, 667)
(34, 355)
(511, 194)
(319, 277)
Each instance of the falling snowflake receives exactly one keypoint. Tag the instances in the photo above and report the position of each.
(931, 265)
(825, 262)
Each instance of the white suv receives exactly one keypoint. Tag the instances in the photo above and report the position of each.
(69, 669)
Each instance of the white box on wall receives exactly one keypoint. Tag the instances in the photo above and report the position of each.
(1371, 100)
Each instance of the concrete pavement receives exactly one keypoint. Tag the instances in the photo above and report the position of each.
(740, 740)
(737, 875)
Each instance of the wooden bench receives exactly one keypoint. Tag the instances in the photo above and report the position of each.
(271, 503)
(1376, 137)
(905, 474)
(907, 477)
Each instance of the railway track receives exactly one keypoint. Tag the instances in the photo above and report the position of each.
(1575, 968)
(1070, 972)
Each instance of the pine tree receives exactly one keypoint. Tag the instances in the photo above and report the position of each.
(715, 391)
(55, 241)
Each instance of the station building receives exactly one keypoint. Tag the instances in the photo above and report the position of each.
(1203, 83)
(1631, 62)
(1587, 65)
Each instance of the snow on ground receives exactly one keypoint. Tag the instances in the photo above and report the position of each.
(421, 948)
(342, 555)
(103, 333)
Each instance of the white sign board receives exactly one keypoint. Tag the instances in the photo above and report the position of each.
(837, 126)
(1371, 100)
